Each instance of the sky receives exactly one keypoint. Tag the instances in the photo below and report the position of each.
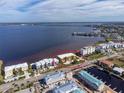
(61, 10)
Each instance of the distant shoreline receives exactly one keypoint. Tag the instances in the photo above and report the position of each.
(60, 22)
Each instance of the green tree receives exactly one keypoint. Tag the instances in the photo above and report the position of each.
(20, 71)
(1, 79)
(15, 73)
(22, 86)
(16, 87)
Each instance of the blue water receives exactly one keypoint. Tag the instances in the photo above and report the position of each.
(18, 41)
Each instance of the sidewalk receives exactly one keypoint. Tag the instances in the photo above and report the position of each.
(26, 90)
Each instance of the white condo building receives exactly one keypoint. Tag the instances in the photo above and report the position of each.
(49, 62)
(87, 50)
(110, 45)
(9, 69)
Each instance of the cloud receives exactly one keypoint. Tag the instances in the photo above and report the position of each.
(61, 10)
(29, 4)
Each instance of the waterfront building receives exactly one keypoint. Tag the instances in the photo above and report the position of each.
(8, 70)
(68, 87)
(45, 63)
(118, 45)
(109, 45)
(53, 78)
(87, 50)
(106, 64)
(91, 81)
(103, 46)
(67, 58)
(118, 70)
(23, 66)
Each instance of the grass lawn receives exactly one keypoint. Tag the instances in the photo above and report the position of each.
(100, 42)
(94, 56)
(117, 61)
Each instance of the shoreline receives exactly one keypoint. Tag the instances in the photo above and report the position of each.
(39, 56)
(50, 52)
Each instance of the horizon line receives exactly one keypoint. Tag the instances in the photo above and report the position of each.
(62, 22)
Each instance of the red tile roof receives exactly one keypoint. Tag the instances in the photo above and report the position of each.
(107, 62)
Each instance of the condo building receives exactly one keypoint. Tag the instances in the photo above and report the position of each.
(110, 45)
(87, 50)
(45, 63)
(8, 70)
(66, 58)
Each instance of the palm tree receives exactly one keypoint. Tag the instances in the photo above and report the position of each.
(22, 86)
(28, 84)
(10, 90)
(20, 71)
(15, 72)
(16, 87)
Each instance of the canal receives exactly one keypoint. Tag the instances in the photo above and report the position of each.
(111, 80)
